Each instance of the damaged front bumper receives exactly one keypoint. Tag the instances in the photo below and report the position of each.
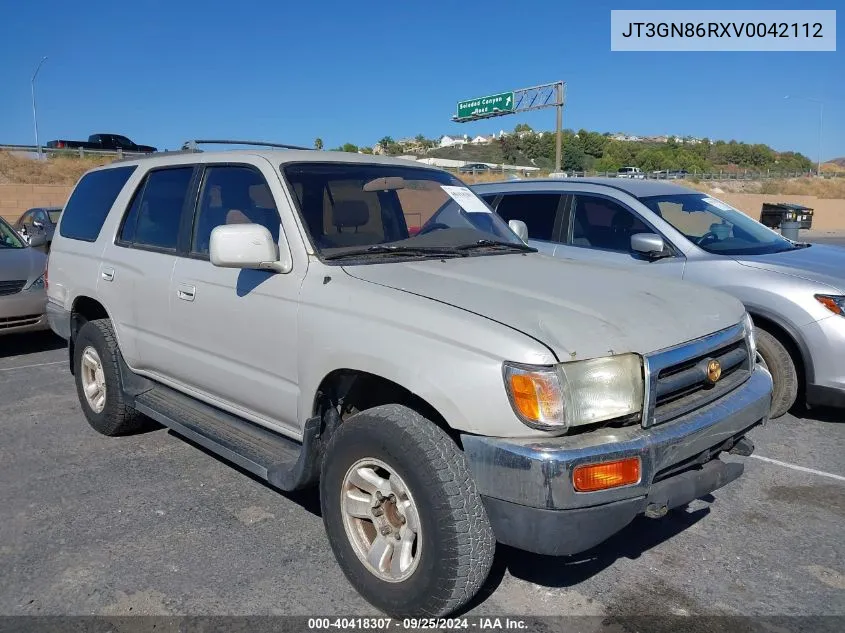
(527, 484)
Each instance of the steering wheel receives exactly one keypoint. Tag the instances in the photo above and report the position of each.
(433, 227)
(708, 237)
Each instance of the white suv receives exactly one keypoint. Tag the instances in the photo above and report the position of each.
(447, 388)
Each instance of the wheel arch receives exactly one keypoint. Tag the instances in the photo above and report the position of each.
(348, 391)
(789, 337)
(83, 309)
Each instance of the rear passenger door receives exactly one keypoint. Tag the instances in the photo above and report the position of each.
(235, 337)
(599, 230)
(541, 212)
(136, 269)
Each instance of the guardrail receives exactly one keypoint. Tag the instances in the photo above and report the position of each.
(722, 175)
(65, 151)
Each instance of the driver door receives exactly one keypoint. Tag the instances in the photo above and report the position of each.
(599, 229)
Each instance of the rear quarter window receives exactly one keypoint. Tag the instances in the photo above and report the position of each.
(91, 201)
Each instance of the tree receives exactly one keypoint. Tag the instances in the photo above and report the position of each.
(349, 147)
(386, 142)
(318, 143)
(419, 138)
(510, 150)
(522, 127)
(573, 157)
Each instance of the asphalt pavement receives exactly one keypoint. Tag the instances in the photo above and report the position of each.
(153, 525)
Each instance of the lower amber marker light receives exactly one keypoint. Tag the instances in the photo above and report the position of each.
(592, 477)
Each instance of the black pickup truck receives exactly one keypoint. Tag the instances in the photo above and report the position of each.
(103, 142)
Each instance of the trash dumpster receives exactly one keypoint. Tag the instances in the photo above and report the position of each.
(774, 214)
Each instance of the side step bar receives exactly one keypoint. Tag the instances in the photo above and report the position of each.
(282, 462)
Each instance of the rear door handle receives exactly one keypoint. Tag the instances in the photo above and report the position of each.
(186, 292)
(107, 274)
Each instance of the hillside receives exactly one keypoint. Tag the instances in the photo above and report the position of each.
(55, 170)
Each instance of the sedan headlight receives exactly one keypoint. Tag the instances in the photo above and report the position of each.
(749, 336)
(38, 284)
(834, 303)
(575, 393)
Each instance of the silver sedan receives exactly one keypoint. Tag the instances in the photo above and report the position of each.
(23, 297)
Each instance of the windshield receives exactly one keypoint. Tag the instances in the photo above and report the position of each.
(384, 210)
(8, 237)
(54, 215)
(716, 226)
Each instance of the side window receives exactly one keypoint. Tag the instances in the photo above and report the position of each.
(601, 223)
(539, 211)
(91, 201)
(233, 195)
(155, 214)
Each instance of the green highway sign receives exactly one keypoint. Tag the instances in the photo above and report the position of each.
(485, 106)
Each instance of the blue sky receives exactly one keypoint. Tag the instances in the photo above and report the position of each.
(162, 72)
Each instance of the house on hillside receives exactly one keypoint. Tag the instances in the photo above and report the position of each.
(483, 140)
(627, 138)
(448, 140)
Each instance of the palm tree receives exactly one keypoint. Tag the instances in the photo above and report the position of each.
(318, 143)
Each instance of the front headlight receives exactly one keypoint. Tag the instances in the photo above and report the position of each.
(38, 284)
(749, 336)
(834, 303)
(576, 393)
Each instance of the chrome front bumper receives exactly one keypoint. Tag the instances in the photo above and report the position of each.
(537, 472)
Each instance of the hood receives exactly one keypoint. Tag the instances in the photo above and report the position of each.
(21, 263)
(577, 310)
(819, 263)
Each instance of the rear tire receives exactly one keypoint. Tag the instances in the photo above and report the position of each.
(96, 358)
(782, 368)
(453, 543)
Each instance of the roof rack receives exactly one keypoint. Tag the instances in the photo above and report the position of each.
(191, 146)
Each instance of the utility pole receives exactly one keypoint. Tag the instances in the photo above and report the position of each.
(34, 111)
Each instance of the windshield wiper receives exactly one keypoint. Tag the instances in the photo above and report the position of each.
(497, 244)
(386, 249)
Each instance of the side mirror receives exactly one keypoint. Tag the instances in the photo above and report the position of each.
(37, 239)
(38, 225)
(520, 228)
(247, 246)
(648, 244)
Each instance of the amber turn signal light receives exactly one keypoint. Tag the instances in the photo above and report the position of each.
(592, 477)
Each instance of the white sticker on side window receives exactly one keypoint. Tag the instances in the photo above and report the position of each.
(713, 202)
(466, 198)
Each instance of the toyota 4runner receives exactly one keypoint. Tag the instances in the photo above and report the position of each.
(446, 390)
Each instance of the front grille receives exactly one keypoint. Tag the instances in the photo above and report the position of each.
(11, 287)
(678, 376)
(18, 321)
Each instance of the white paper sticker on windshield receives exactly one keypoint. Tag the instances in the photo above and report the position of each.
(466, 198)
(713, 202)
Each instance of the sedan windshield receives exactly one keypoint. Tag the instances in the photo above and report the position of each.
(387, 212)
(8, 237)
(715, 226)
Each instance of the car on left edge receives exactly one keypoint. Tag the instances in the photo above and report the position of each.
(23, 298)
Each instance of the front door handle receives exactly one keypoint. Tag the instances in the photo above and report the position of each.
(186, 292)
(107, 274)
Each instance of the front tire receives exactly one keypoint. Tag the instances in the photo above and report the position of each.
(782, 368)
(95, 362)
(403, 515)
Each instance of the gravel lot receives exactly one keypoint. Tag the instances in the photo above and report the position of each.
(151, 524)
